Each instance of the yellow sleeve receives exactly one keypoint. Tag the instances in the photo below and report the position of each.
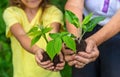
(53, 14)
(10, 19)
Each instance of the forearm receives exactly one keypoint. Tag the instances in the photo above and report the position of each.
(72, 29)
(76, 6)
(109, 30)
(23, 39)
(25, 42)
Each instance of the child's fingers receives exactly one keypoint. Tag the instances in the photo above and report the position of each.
(49, 66)
(59, 66)
(46, 64)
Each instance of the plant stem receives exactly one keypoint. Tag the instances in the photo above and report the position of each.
(81, 37)
(45, 38)
(80, 33)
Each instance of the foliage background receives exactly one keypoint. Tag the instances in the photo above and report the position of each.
(5, 51)
(6, 68)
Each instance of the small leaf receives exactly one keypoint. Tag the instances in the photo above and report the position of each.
(46, 30)
(32, 30)
(58, 45)
(54, 47)
(70, 43)
(60, 35)
(35, 33)
(93, 22)
(35, 39)
(72, 18)
(50, 49)
(64, 34)
(54, 35)
(41, 27)
(87, 18)
(84, 28)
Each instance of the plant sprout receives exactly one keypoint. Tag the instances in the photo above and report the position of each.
(54, 46)
(87, 24)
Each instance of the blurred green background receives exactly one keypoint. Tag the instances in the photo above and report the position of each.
(6, 68)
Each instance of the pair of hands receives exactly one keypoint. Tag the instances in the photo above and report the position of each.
(49, 64)
(83, 57)
(79, 60)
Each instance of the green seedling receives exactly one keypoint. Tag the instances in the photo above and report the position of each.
(54, 46)
(87, 25)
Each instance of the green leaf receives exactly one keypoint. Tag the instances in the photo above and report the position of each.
(50, 49)
(70, 43)
(35, 39)
(84, 28)
(46, 30)
(54, 35)
(87, 18)
(59, 35)
(32, 30)
(64, 34)
(93, 22)
(35, 33)
(58, 45)
(72, 18)
(54, 47)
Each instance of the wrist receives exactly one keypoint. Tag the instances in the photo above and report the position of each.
(93, 40)
(35, 49)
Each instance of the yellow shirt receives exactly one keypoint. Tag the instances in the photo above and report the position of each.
(24, 62)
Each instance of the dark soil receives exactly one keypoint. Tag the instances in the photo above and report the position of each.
(80, 46)
(56, 59)
(45, 57)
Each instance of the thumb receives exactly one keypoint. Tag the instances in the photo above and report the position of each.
(40, 54)
(61, 57)
(90, 45)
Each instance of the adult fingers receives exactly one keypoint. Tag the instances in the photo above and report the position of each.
(82, 59)
(66, 51)
(92, 54)
(69, 58)
(79, 66)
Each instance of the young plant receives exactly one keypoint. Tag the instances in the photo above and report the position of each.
(54, 46)
(87, 25)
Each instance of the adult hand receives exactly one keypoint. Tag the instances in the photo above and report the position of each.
(69, 55)
(89, 55)
(45, 64)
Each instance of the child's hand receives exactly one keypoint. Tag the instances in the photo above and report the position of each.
(46, 64)
(60, 65)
